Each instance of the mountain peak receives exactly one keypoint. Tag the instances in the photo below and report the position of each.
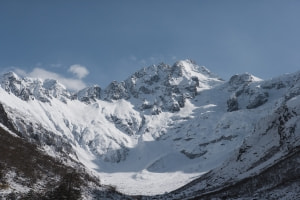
(32, 88)
(168, 86)
(189, 67)
(239, 79)
(169, 119)
(11, 75)
(11, 82)
(52, 84)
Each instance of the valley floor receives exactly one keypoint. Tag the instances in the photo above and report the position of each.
(147, 183)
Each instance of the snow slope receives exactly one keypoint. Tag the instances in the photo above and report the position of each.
(156, 131)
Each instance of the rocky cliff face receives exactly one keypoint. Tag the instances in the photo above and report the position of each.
(169, 119)
(29, 89)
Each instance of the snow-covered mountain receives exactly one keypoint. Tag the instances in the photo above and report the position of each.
(164, 127)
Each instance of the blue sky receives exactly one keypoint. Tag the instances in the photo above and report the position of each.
(84, 42)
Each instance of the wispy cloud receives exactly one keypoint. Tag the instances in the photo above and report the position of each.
(73, 83)
(70, 83)
(79, 70)
(132, 58)
(57, 65)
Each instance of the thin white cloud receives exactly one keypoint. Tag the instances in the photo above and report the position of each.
(57, 65)
(152, 59)
(143, 62)
(18, 71)
(79, 70)
(133, 58)
(69, 83)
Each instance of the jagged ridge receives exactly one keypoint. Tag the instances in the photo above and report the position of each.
(169, 118)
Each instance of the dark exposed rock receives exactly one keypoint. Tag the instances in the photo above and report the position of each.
(276, 85)
(88, 95)
(242, 79)
(146, 105)
(145, 90)
(4, 119)
(258, 100)
(232, 104)
(152, 80)
(193, 155)
(116, 91)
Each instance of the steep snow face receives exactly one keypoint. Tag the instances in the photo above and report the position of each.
(74, 123)
(267, 159)
(172, 122)
(264, 166)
